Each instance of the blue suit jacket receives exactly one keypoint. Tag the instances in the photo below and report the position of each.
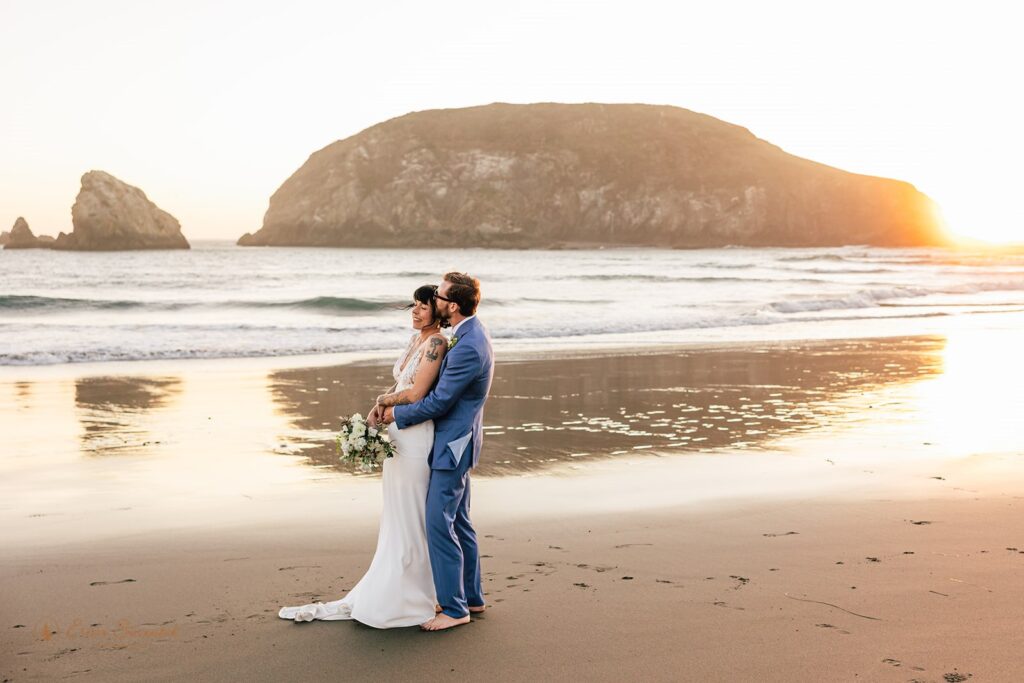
(456, 403)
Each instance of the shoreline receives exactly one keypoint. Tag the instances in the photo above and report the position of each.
(599, 346)
(581, 346)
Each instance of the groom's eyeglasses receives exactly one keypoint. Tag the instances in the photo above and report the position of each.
(442, 298)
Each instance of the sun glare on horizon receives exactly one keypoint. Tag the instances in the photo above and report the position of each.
(971, 223)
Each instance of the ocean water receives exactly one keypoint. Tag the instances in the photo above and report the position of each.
(220, 301)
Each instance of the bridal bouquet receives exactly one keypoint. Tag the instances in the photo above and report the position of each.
(363, 446)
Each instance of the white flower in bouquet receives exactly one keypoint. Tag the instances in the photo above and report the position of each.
(363, 446)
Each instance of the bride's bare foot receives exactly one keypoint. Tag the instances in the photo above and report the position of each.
(443, 621)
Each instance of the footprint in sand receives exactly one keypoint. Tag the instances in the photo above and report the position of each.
(788, 533)
(60, 653)
(743, 581)
(837, 629)
(299, 566)
(722, 603)
(107, 583)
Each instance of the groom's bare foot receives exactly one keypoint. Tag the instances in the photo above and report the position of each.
(443, 621)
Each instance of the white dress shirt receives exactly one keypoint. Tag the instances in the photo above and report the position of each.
(455, 330)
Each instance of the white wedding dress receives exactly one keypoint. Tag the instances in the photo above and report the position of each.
(398, 588)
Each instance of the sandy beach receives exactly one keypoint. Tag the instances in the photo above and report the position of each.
(809, 511)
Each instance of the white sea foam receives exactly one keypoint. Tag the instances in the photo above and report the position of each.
(221, 301)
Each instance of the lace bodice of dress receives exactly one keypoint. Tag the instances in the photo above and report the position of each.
(411, 359)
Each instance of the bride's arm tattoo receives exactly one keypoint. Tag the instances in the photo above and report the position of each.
(400, 398)
(432, 350)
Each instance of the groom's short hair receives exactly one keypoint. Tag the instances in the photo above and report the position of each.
(464, 291)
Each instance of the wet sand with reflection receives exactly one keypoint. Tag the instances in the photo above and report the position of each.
(112, 410)
(542, 412)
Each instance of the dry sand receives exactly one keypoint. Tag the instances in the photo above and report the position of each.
(804, 590)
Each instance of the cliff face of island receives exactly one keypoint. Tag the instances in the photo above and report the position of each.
(550, 175)
(109, 214)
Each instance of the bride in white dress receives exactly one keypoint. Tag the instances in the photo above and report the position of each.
(398, 588)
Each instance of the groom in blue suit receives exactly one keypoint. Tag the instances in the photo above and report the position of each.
(456, 404)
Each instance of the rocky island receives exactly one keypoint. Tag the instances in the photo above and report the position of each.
(563, 175)
(109, 215)
(21, 237)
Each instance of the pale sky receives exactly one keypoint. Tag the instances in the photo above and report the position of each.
(209, 106)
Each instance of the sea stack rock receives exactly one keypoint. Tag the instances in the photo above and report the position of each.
(550, 175)
(21, 237)
(111, 215)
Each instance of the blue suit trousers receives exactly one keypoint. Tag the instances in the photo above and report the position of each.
(451, 539)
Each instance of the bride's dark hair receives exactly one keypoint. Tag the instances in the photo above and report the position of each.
(425, 295)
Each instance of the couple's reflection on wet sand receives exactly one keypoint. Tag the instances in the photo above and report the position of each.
(114, 411)
(542, 412)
